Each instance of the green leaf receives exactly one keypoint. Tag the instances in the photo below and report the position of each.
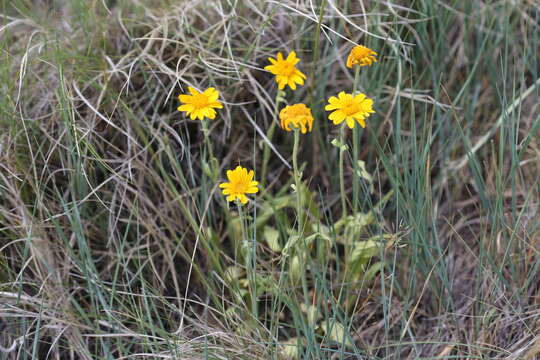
(372, 271)
(233, 273)
(290, 245)
(271, 236)
(289, 348)
(336, 332)
(364, 250)
(295, 269)
(340, 145)
(312, 313)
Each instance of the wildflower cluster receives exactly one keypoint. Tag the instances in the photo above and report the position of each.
(350, 108)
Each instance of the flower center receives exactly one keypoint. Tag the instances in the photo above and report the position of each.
(350, 108)
(238, 187)
(286, 68)
(199, 101)
(361, 53)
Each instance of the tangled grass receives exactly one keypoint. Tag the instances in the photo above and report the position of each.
(116, 243)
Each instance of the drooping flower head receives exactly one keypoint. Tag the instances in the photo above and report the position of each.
(286, 71)
(296, 116)
(200, 104)
(349, 108)
(240, 183)
(362, 56)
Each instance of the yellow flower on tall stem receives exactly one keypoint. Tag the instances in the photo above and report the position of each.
(349, 108)
(286, 71)
(240, 183)
(362, 56)
(200, 105)
(297, 116)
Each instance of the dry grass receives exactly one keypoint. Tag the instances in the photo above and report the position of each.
(115, 242)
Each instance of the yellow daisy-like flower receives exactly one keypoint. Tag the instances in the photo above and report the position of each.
(200, 104)
(349, 108)
(361, 55)
(297, 116)
(286, 71)
(240, 183)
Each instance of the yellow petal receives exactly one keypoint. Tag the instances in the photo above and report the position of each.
(330, 107)
(360, 97)
(337, 116)
(200, 115)
(291, 56)
(298, 79)
(211, 114)
(212, 94)
(186, 107)
(185, 98)
(362, 123)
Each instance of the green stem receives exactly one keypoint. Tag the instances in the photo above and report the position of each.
(206, 134)
(250, 259)
(270, 135)
(300, 214)
(213, 163)
(297, 181)
(341, 172)
(356, 141)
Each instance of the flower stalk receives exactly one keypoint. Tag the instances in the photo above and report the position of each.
(342, 149)
(356, 141)
(297, 180)
(300, 214)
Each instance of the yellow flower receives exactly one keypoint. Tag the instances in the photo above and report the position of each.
(297, 116)
(361, 55)
(349, 108)
(286, 71)
(200, 105)
(240, 183)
